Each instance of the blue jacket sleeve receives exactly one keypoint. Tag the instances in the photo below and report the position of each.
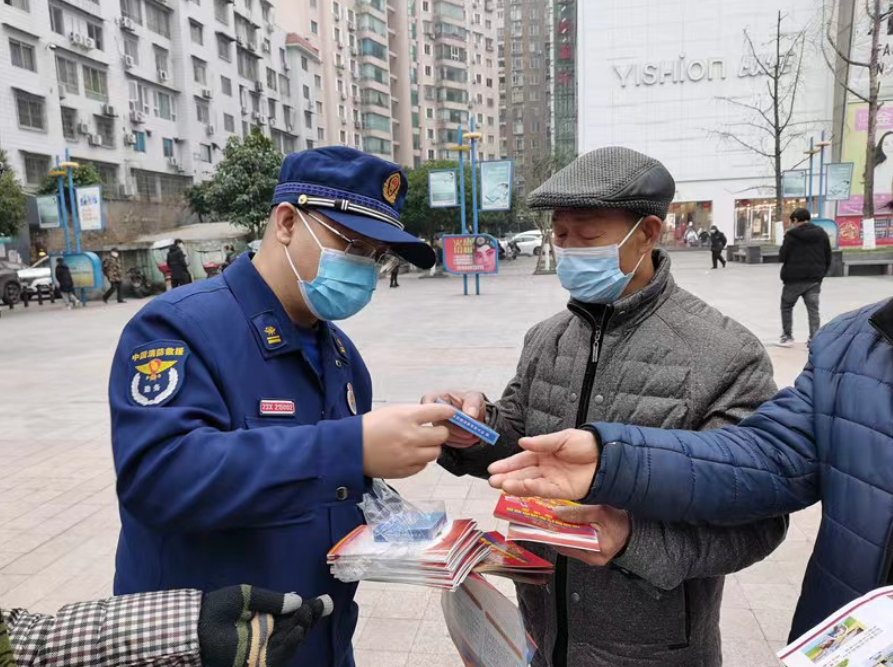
(185, 466)
(766, 466)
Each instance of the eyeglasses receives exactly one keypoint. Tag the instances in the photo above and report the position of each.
(360, 248)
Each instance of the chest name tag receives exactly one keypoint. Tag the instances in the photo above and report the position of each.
(270, 408)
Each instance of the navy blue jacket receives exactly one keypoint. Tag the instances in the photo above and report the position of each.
(828, 438)
(218, 484)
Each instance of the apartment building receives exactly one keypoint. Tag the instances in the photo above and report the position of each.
(400, 76)
(149, 91)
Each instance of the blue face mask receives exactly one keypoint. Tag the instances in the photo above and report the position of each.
(593, 275)
(343, 285)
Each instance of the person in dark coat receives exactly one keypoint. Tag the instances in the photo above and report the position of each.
(805, 256)
(66, 283)
(111, 269)
(718, 243)
(229, 256)
(178, 265)
(395, 272)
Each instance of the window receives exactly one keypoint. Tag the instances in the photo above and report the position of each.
(196, 34)
(36, 168)
(271, 79)
(202, 112)
(18, 4)
(105, 128)
(376, 145)
(57, 20)
(271, 108)
(374, 121)
(22, 55)
(317, 81)
(430, 134)
(255, 102)
(168, 147)
(320, 134)
(229, 123)
(308, 119)
(284, 85)
(95, 84)
(427, 49)
(428, 70)
(306, 92)
(139, 97)
(164, 106)
(339, 84)
(139, 143)
(319, 107)
(94, 31)
(158, 20)
(221, 11)
(224, 50)
(226, 86)
(343, 137)
(265, 11)
(69, 123)
(200, 72)
(204, 152)
(288, 115)
(132, 48)
(132, 9)
(304, 64)
(161, 59)
(430, 154)
(342, 114)
(314, 27)
(429, 113)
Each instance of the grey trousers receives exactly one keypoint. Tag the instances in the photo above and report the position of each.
(790, 294)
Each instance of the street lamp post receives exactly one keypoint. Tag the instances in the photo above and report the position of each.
(823, 188)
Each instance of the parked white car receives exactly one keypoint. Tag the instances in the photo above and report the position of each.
(37, 278)
(529, 243)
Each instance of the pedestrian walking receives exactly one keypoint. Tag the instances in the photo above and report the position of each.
(111, 268)
(805, 256)
(718, 242)
(242, 424)
(66, 283)
(652, 595)
(229, 256)
(178, 265)
(395, 272)
(826, 439)
(238, 626)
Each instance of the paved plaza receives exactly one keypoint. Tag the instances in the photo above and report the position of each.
(58, 514)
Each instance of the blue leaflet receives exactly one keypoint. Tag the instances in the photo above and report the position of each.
(473, 426)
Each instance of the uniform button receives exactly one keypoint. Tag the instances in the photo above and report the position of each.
(342, 493)
(575, 597)
(599, 399)
(338, 363)
(573, 397)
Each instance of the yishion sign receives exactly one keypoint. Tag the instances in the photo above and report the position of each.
(683, 70)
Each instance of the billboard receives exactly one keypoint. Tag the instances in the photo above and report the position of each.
(469, 253)
(496, 185)
(442, 188)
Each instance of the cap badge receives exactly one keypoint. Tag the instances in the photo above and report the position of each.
(392, 188)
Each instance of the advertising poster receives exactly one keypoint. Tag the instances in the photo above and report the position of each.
(89, 199)
(852, 231)
(831, 229)
(466, 253)
(496, 185)
(793, 184)
(86, 269)
(839, 181)
(853, 150)
(443, 188)
(48, 212)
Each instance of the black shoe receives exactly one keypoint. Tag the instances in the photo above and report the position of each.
(105, 300)
(786, 341)
(121, 301)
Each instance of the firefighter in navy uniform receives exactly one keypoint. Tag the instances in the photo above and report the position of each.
(241, 424)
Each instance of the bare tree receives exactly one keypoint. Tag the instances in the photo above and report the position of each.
(873, 65)
(767, 127)
(536, 172)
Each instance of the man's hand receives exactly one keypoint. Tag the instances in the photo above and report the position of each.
(472, 403)
(558, 465)
(613, 528)
(398, 443)
(244, 626)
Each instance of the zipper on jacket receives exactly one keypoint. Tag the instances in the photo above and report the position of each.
(559, 654)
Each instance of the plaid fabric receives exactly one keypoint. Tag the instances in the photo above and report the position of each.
(159, 628)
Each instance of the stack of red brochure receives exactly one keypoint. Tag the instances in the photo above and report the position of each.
(442, 562)
(534, 520)
(507, 559)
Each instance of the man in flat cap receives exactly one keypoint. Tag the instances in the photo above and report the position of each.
(635, 348)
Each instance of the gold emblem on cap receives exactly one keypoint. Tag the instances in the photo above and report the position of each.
(392, 187)
(302, 200)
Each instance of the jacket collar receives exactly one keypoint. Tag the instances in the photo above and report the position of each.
(636, 306)
(882, 320)
(271, 326)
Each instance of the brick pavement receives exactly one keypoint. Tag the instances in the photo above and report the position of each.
(58, 515)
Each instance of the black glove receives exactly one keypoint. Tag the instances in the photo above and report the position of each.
(243, 626)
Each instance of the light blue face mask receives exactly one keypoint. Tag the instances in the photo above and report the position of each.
(343, 285)
(593, 275)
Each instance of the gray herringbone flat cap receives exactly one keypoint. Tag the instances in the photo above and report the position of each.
(611, 177)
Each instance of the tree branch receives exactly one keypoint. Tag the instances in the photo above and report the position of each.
(750, 107)
(744, 144)
(840, 81)
(756, 57)
(840, 54)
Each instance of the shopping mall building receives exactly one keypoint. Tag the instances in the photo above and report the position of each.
(672, 78)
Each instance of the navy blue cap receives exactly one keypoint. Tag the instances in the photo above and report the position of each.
(357, 190)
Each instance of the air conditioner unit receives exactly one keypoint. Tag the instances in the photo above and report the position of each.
(343, 96)
(266, 47)
(76, 38)
(344, 121)
(286, 67)
(94, 139)
(337, 17)
(272, 122)
(62, 93)
(270, 28)
(310, 106)
(206, 93)
(125, 191)
(129, 139)
(137, 117)
(353, 50)
(340, 45)
(128, 23)
(289, 127)
(172, 162)
(259, 86)
(261, 121)
(357, 124)
(351, 26)
(89, 43)
(129, 62)
(244, 110)
(83, 128)
(252, 47)
(162, 75)
(240, 41)
(210, 130)
(255, 116)
(109, 110)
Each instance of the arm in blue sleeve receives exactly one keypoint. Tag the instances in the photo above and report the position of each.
(185, 466)
(766, 466)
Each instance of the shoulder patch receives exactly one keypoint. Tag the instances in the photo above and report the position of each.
(159, 369)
